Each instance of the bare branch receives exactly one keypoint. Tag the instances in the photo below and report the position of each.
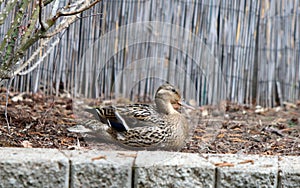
(7, 46)
(46, 2)
(59, 14)
(53, 44)
(41, 5)
(6, 103)
(65, 25)
(97, 14)
(60, 27)
(27, 41)
(8, 8)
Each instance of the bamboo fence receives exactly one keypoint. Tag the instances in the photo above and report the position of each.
(245, 51)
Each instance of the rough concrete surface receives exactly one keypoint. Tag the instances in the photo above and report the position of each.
(245, 170)
(289, 171)
(168, 169)
(22, 167)
(101, 168)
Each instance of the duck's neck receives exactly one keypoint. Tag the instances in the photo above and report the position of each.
(164, 107)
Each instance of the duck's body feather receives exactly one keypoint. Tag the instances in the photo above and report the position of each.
(146, 126)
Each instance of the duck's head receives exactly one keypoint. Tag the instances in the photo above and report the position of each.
(167, 99)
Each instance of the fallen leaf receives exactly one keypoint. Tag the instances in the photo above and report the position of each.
(99, 157)
(26, 144)
(236, 140)
(128, 154)
(199, 131)
(204, 113)
(247, 161)
(198, 137)
(18, 98)
(224, 164)
(290, 105)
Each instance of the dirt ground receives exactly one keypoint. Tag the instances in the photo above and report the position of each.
(40, 121)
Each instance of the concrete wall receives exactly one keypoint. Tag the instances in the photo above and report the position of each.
(20, 167)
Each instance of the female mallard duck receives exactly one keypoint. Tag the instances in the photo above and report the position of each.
(142, 126)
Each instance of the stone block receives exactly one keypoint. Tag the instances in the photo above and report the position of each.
(289, 168)
(101, 168)
(245, 170)
(27, 167)
(170, 169)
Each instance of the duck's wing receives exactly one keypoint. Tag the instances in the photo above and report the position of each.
(144, 137)
(123, 118)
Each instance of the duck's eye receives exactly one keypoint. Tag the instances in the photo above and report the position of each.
(174, 90)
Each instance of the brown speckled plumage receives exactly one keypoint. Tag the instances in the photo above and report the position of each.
(142, 126)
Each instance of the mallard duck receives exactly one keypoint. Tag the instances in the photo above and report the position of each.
(143, 126)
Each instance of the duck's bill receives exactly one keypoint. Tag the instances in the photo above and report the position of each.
(182, 103)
